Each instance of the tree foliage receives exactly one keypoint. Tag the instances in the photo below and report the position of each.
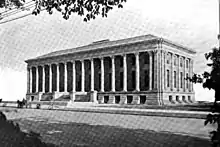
(89, 9)
(11, 135)
(211, 80)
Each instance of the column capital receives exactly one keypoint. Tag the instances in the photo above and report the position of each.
(136, 53)
(112, 56)
(149, 52)
(101, 58)
(155, 51)
(73, 61)
(164, 51)
(124, 55)
(28, 67)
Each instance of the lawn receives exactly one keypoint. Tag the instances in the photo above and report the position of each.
(192, 107)
(69, 129)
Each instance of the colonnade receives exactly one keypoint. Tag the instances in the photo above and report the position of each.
(34, 76)
(153, 65)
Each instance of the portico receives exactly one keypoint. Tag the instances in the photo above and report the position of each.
(149, 68)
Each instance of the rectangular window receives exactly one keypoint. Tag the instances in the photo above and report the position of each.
(181, 79)
(181, 62)
(110, 64)
(145, 78)
(174, 79)
(133, 79)
(133, 60)
(110, 80)
(121, 62)
(187, 82)
(168, 58)
(99, 81)
(121, 80)
(168, 78)
(175, 60)
(145, 60)
(187, 63)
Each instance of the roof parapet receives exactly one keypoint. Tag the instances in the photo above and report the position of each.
(101, 41)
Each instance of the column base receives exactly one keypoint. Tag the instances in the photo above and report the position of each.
(93, 97)
(123, 99)
(111, 99)
(136, 99)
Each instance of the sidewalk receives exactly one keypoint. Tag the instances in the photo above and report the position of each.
(95, 108)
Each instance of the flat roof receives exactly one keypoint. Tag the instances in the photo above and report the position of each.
(102, 44)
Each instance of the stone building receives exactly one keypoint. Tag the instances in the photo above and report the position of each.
(139, 70)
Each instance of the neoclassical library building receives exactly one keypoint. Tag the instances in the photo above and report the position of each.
(141, 70)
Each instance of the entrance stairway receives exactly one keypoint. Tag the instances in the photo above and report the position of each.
(71, 104)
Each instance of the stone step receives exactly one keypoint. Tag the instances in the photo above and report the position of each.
(80, 104)
(59, 103)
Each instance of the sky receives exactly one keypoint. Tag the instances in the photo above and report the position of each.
(192, 23)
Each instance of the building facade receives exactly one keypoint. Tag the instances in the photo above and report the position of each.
(139, 70)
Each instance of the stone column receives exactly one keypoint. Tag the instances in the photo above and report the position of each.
(37, 79)
(150, 70)
(28, 80)
(137, 72)
(113, 73)
(125, 73)
(165, 70)
(102, 74)
(82, 76)
(92, 74)
(155, 69)
(58, 78)
(172, 73)
(178, 74)
(43, 79)
(191, 75)
(50, 77)
(162, 70)
(31, 80)
(74, 76)
(65, 77)
(184, 74)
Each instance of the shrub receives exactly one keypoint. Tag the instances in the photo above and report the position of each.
(11, 135)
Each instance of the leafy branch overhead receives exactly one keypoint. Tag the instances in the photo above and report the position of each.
(89, 9)
(211, 79)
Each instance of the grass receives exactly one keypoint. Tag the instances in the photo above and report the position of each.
(193, 107)
(70, 129)
(86, 135)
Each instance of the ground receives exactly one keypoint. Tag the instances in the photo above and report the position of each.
(67, 128)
